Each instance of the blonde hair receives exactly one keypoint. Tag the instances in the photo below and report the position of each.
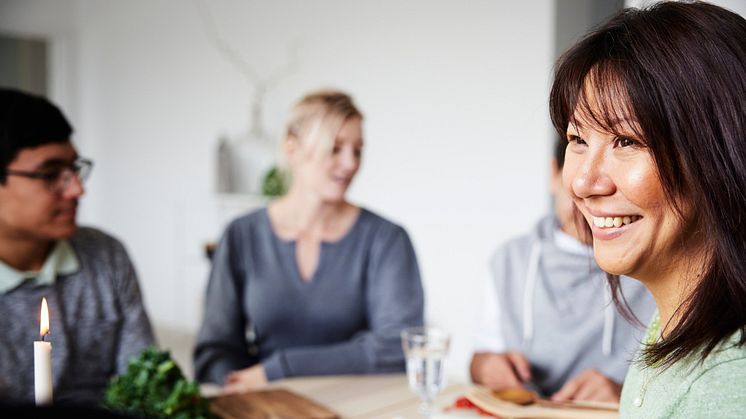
(316, 119)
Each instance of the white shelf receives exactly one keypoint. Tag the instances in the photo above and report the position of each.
(236, 200)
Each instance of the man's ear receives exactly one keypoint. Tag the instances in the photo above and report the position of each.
(555, 177)
(554, 170)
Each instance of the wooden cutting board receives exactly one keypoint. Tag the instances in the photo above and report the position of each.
(267, 404)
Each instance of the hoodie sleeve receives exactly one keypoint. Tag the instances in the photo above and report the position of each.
(489, 336)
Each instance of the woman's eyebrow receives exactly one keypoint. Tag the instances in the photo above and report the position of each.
(615, 122)
(574, 127)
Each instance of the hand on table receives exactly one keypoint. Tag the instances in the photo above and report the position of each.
(589, 385)
(244, 380)
(499, 371)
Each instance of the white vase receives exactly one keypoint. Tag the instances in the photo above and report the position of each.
(251, 157)
(244, 160)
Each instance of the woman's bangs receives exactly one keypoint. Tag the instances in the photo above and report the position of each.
(603, 102)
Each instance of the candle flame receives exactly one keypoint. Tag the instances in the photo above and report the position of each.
(44, 323)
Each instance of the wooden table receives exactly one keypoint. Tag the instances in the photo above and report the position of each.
(374, 396)
(371, 396)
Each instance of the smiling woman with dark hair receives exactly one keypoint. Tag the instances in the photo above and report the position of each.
(652, 104)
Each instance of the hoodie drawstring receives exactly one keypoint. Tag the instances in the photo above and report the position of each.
(528, 304)
(528, 292)
(608, 336)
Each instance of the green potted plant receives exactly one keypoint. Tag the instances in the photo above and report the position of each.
(275, 183)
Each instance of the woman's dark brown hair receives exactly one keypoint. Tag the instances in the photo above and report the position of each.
(679, 71)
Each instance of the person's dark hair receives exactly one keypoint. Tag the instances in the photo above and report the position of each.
(678, 70)
(28, 121)
(560, 145)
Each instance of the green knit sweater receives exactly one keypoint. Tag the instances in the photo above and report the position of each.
(688, 389)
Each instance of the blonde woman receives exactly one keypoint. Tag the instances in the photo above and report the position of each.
(312, 284)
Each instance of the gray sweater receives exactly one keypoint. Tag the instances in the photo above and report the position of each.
(97, 322)
(346, 320)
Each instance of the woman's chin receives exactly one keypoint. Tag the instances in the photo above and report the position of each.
(334, 196)
(333, 199)
(615, 265)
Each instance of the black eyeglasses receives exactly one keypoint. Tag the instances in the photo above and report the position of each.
(57, 179)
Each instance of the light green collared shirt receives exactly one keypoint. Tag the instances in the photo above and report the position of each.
(60, 261)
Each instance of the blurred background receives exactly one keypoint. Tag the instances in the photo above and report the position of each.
(457, 133)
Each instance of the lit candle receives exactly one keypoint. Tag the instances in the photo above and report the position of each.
(43, 360)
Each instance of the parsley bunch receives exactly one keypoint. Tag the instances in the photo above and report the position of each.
(154, 386)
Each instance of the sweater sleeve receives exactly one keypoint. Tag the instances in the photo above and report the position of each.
(395, 301)
(136, 332)
(221, 345)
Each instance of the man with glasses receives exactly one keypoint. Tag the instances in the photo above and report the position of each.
(97, 318)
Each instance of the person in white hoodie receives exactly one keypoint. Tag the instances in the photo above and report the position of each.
(547, 321)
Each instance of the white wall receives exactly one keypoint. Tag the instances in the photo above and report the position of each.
(457, 132)
(737, 6)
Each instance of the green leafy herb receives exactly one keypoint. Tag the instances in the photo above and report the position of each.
(154, 386)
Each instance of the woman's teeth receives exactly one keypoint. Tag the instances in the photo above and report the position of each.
(607, 222)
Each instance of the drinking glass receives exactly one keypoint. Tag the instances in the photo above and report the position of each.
(425, 349)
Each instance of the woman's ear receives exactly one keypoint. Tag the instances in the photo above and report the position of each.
(290, 147)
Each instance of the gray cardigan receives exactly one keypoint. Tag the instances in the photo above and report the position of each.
(97, 322)
(346, 320)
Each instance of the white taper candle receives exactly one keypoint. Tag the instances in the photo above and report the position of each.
(43, 361)
(43, 373)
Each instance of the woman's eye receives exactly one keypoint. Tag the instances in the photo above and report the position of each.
(574, 139)
(336, 150)
(625, 142)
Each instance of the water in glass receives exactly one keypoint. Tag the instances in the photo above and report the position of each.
(425, 350)
(425, 372)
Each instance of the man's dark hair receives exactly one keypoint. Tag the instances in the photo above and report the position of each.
(28, 121)
(560, 144)
(678, 70)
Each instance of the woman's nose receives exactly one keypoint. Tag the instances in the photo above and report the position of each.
(592, 177)
(349, 159)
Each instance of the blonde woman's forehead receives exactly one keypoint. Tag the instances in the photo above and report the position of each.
(351, 131)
